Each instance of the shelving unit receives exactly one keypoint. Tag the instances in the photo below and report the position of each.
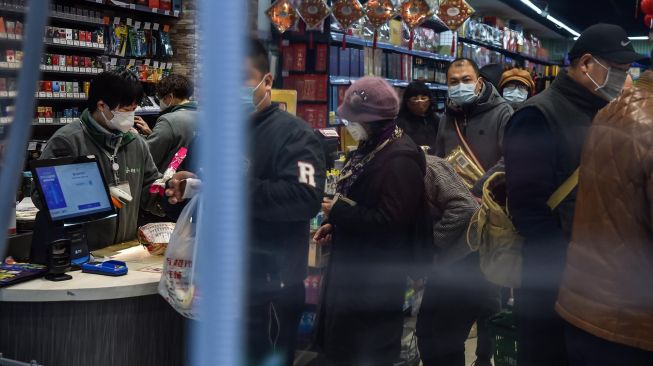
(136, 8)
(513, 55)
(343, 80)
(336, 38)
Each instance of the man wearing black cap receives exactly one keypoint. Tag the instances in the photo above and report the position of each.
(543, 144)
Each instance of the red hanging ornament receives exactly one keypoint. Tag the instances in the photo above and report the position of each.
(282, 15)
(313, 12)
(647, 6)
(648, 21)
(347, 12)
(414, 13)
(454, 13)
(378, 13)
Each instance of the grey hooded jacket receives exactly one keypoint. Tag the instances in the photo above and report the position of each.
(482, 124)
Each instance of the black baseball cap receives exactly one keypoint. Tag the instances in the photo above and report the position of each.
(607, 41)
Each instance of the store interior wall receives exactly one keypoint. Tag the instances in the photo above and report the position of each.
(185, 41)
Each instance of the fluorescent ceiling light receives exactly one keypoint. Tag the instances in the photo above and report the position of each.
(638, 38)
(550, 18)
(532, 6)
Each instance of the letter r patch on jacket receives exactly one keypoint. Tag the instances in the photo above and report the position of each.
(306, 173)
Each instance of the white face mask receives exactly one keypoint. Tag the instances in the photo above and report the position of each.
(463, 94)
(614, 82)
(163, 104)
(121, 121)
(514, 94)
(357, 131)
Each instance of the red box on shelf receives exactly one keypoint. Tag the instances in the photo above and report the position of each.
(165, 4)
(314, 114)
(76, 61)
(321, 57)
(69, 60)
(299, 57)
(287, 58)
(289, 83)
(47, 86)
(154, 4)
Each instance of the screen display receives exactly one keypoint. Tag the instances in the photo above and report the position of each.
(73, 190)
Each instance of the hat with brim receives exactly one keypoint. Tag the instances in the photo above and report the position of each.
(607, 41)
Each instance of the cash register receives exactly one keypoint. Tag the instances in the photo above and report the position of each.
(75, 199)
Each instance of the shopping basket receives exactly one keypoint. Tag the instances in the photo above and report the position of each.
(504, 330)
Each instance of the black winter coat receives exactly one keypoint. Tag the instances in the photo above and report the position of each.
(361, 319)
(423, 130)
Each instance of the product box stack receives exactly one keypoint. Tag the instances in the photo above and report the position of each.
(305, 70)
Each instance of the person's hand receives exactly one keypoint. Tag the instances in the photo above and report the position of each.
(327, 204)
(176, 186)
(142, 126)
(324, 235)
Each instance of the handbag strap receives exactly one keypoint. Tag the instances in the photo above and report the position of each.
(563, 191)
(466, 146)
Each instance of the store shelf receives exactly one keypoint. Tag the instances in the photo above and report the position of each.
(62, 17)
(49, 96)
(14, 67)
(135, 8)
(75, 45)
(344, 80)
(336, 38)
(11, 38)
(507, 53)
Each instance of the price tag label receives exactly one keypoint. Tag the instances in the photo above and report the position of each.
(77, 95)
(4, 65)
(176, 13)
(116, 20)
(42, 94)
(132, 62)
(167, 12)
(147, 25)
(70, 42)
(156, 64)
(137, 25)
(3, 35)
(76, 69)
(147, 62)
(41, 120)
(85, 44)
(155, 10)
(42, 67)
(4, 94)
(48, 94)
(12, 93)
(132, 6)
(56, 40)
(155, 26)
(19, 36)
(69, 69)
(11, 36)
(129, 22)
(49, 120)
(114, 61)
(76, 43)
(96, 70)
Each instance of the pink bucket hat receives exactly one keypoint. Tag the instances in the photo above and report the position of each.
(369, 99)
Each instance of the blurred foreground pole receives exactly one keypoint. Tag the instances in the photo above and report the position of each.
(13, 158)
(217, 339)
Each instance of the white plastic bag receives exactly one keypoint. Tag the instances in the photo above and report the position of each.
(177, 284)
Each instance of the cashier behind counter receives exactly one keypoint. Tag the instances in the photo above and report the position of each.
(105, 130)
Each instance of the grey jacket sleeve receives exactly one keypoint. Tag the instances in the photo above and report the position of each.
(446, 192)
(161, 141)
(150, 202)
(504, 116)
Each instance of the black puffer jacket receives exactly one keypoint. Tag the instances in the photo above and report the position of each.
(361, 319)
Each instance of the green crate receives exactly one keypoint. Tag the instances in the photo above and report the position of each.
(504, 331)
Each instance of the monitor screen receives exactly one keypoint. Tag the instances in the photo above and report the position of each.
(73, 190)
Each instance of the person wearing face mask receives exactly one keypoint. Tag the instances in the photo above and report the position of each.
(417, 115)
(105, 129)
(516, 86)
(542, 150)
(476, 109)
(177, 125)
(380, 198)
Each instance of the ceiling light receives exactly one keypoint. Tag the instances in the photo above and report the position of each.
(550, 18)
(639, 38)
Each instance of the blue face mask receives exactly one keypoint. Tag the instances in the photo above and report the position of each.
(463, 94)
(247, 98)
(514, 94)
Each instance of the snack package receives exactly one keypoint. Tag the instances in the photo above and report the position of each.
(159, 186)
(156, 236)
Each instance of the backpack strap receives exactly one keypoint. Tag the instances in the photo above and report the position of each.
(563, 191)
(467, 147)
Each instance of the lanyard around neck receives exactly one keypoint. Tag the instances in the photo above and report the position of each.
(115, 167)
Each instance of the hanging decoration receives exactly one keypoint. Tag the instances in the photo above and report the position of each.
(313, 12)
(379, 12)
(413, 14)
(282, 15)
(647, 6)
(647, 9)
(454, 13)
(347, 12)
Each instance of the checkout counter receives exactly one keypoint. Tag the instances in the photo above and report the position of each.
(93, 319)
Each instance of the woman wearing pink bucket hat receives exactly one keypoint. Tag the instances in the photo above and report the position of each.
(373, 221)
